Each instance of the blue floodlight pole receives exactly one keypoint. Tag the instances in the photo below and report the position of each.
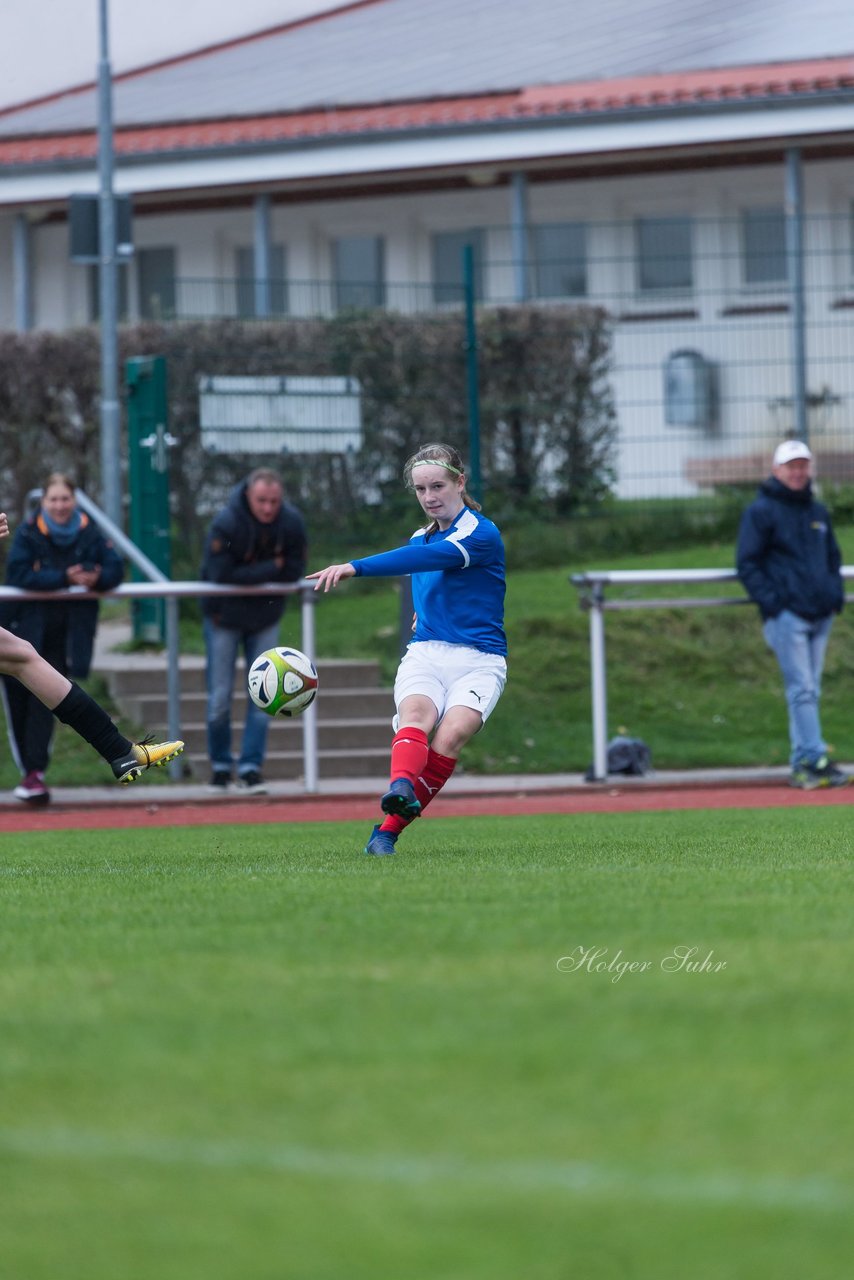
(110, 420)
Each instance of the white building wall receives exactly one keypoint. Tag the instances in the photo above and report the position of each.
(7, 288)
(752, 353)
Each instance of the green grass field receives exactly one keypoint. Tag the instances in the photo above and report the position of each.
(249, 1053)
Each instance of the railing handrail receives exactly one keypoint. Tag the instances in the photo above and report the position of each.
(596, 604)
(159, 586)
(639, 577)
(173, 591)
(165, 588)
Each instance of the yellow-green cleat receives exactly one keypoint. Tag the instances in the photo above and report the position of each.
(145, 755)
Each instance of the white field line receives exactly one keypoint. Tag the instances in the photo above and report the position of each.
(812, 1193)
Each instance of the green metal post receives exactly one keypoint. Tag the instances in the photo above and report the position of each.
(148, 445)
(474, 479)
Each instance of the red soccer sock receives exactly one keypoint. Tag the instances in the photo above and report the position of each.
(436, 772)
(409, 750)
(433, 777)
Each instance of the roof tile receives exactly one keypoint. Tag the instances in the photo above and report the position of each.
(794, 80)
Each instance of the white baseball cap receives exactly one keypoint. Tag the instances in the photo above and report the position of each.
(789, 450)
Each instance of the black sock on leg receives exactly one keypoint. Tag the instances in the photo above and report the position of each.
(83, 714)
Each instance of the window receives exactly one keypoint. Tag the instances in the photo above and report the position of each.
(121, 292)
(358, 270)
(664, 260)
(155, 277)
(763, 239)
(244, 270)
(559, 260)
(448, 246)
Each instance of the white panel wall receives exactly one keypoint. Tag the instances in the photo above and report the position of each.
(752, 354)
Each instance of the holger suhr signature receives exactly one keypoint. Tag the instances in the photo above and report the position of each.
(680, 959)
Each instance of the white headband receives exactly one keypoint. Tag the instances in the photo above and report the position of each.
(435, 462)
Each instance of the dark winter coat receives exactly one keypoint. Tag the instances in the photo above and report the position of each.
(788, 557)
(243, 551)
(37, 563)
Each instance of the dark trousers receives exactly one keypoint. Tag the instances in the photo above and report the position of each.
(31, 725)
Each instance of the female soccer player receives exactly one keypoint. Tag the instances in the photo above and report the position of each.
(74, 707)
(454, 669)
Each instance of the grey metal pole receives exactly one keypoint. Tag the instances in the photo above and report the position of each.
(795, 264)
(262, 256)
(309, 718)
(110, 420)
(519, 233)
(21, 259)
(598, 687)
(173, 682)
(474, 478)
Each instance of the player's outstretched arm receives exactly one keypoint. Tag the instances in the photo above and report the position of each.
(325, 579)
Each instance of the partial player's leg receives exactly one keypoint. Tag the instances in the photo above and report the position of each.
(74, 707)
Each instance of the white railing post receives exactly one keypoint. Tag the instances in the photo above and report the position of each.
(173, 682)
(598, 683)
(309, 718)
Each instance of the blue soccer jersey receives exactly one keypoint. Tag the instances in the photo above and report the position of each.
(458, 581)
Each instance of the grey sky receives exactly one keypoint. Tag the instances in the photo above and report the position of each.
(47, 45)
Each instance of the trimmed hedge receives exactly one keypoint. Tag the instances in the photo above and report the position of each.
(548, 424)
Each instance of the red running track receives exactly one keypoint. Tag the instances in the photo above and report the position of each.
(135, 812)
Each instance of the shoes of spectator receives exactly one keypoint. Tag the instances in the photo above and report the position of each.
(220, 782)
(32, 789)
(252, 782)
(401, 800)
(381, 843)
(830, 774)
(822, 773)
(144, 755)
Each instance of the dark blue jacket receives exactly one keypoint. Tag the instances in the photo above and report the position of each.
(242, 551)
(37, 563)
(787, 555)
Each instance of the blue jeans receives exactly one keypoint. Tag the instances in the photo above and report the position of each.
(222, 645)
(800, 646)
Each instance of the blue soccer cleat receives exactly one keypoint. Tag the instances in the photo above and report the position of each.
(381, 843)
(401, 800)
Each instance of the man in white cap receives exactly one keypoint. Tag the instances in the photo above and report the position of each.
(789, 562)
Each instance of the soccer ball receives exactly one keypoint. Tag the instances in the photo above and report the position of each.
(282, 682)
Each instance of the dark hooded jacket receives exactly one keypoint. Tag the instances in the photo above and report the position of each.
(242, 551)
(37, 563)
(788, 557)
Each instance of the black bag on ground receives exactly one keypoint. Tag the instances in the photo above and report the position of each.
(629, 757)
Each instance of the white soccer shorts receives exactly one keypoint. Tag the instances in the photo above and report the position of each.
(451, 675)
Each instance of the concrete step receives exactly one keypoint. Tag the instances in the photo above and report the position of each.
(286, 735)
(369, 762)
(128, 674)
(354, 714)
(151, 708)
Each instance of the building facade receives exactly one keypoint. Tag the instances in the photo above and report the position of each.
(704, 198)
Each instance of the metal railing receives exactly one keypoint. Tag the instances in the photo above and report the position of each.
(591, 585)
(161, 587)
(172, 592)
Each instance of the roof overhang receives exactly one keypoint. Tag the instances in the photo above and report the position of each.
(247, 160)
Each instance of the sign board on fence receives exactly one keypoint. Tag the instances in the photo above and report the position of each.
(280, 415)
